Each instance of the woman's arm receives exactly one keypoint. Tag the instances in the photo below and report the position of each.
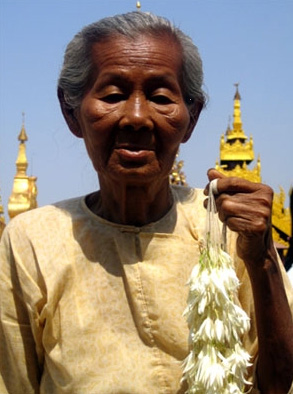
(19, 371)
(246, 207)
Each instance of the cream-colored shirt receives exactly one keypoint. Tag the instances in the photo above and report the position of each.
(93, 307)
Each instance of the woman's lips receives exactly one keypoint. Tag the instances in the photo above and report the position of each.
(139, 154)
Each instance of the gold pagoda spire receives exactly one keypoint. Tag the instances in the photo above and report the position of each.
(237, 131)
(24, 191)
(21, 161)
(236, 151)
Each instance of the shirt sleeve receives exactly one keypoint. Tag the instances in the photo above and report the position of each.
(19, 361)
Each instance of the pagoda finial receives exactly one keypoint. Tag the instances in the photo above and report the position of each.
(138, 5)
(237, 123)
(237, 95)
(22, 135)
(21, 161)
(228, 130)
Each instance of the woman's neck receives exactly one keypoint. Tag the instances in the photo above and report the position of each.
(132, 205)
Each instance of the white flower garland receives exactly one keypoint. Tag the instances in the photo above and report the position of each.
(217, 361)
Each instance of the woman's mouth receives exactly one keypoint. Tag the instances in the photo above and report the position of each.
(134, 154)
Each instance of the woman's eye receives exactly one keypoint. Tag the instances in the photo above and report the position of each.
(161, 99)
(113, 98)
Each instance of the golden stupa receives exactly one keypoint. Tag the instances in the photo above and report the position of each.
(24, 191)
(236, 153)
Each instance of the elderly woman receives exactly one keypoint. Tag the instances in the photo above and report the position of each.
(93, 288)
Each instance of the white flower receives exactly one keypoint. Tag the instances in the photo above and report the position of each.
(217, 362)
(220, 332)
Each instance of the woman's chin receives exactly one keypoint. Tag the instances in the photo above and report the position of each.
(134, 172)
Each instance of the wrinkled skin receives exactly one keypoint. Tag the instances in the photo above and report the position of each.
(246, 208)
(133, 117)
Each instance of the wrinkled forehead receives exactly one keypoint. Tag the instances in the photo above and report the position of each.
(162, 50)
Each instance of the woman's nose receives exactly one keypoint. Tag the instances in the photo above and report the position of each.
(136, 114)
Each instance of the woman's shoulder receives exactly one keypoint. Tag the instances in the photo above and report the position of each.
(47, 217)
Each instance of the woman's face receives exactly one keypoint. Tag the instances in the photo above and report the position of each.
(133, 117)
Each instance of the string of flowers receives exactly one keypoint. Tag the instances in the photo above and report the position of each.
(217, 361)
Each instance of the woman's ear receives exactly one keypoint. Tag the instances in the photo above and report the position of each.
(194, 112)
(69, 115)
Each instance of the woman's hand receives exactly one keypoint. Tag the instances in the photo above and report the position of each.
(246, 208)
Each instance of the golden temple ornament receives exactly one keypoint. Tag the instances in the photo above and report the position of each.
(177, 176)
(236, 150)
(236, 154)
(24, 192)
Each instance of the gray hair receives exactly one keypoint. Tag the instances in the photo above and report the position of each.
(77, 66)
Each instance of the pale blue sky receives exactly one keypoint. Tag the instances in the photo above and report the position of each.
(245, 41)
